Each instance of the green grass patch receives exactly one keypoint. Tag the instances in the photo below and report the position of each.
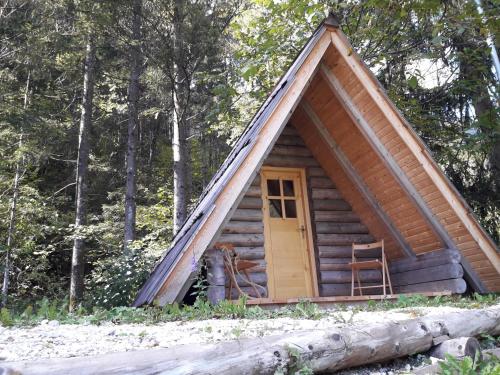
(33, 314)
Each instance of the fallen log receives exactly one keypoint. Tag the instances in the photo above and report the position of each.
(320, 350)
(459, 347)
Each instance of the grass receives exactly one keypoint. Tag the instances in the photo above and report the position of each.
(58, 310)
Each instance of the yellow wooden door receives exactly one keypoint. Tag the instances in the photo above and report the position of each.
(286, 234)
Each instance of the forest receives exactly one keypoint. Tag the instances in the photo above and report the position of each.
(114, 115)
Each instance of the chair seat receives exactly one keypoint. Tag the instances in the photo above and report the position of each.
(366, 265)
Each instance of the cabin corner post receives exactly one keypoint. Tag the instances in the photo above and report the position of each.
(216, 277)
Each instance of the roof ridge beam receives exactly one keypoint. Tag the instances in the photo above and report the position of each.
(358, 181)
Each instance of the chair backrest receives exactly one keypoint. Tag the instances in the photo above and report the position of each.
(368, 246)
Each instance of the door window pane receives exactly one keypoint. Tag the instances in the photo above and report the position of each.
(288, 188)
(290, 208)
(275, 208)
(273, 187)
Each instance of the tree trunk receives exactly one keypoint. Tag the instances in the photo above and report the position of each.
(133, 123)
(13, 209)
(11, 230)
(179, 128)
(77, 262)
(325, 350)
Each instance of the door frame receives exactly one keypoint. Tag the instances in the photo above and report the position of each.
(307, 223)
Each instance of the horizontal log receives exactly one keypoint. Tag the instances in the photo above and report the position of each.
(336, 216)
(348, 228)
(289, 161)
(457, 286)
(250, 203)
(247, 215)
(334, 267)
(244, 240)
(250, 253)
(216, 293)
(290, 140)
(459, 348)
(289, 130)
(343, 239)
(254, 191)
(316, 172)
(339, 277)
(324, 351)
(325, 194)
(255, 277)
(256, 181)
(333, 290)
(286, 150)
(244, 227)
(248, 290)
(331, 205)
(335, 260)
(321, 183)
(426, 260)
(443, 272)
(345, 252)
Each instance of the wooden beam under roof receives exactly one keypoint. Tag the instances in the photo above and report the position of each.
(391, 164)
(356, 178)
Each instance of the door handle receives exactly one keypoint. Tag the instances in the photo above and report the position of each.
(302, 230)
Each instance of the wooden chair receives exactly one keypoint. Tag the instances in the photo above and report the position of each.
(357, 265)
(234, 266)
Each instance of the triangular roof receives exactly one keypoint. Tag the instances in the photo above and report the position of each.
(454, 226)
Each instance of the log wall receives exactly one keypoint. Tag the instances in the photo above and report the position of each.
(335, 226)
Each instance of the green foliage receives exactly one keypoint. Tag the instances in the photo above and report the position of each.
(306, 309)
(5, 317)
(469, 366)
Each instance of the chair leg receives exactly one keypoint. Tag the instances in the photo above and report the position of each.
(352, 282)
(383, 278)
(388, 276)
(359, 283)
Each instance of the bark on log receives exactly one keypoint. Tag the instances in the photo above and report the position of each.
(322, 350)
(338, 277)
(456, 286)
(290, 140)
(244, 227)
(336, 217)
(253, 191)
(250, 203)
(459, 347)
(285, 150)
(325, 194)
(339, 228)
(256, 277)
(250, 253)
(290, 161)
(321, 182)
(343, 239)
(316, 172)
(242, 239)
(432, 259)
(247, 215)
(331, 205)
(345, 252)
(443, 272)
(333, 290)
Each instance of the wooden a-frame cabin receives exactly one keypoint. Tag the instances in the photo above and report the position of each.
(326, 162)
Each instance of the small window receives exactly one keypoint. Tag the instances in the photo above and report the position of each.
(273, 187)
(290, 209)
(275, 208)
(288, 190)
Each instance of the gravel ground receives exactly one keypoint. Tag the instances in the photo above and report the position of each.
(52, 339)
